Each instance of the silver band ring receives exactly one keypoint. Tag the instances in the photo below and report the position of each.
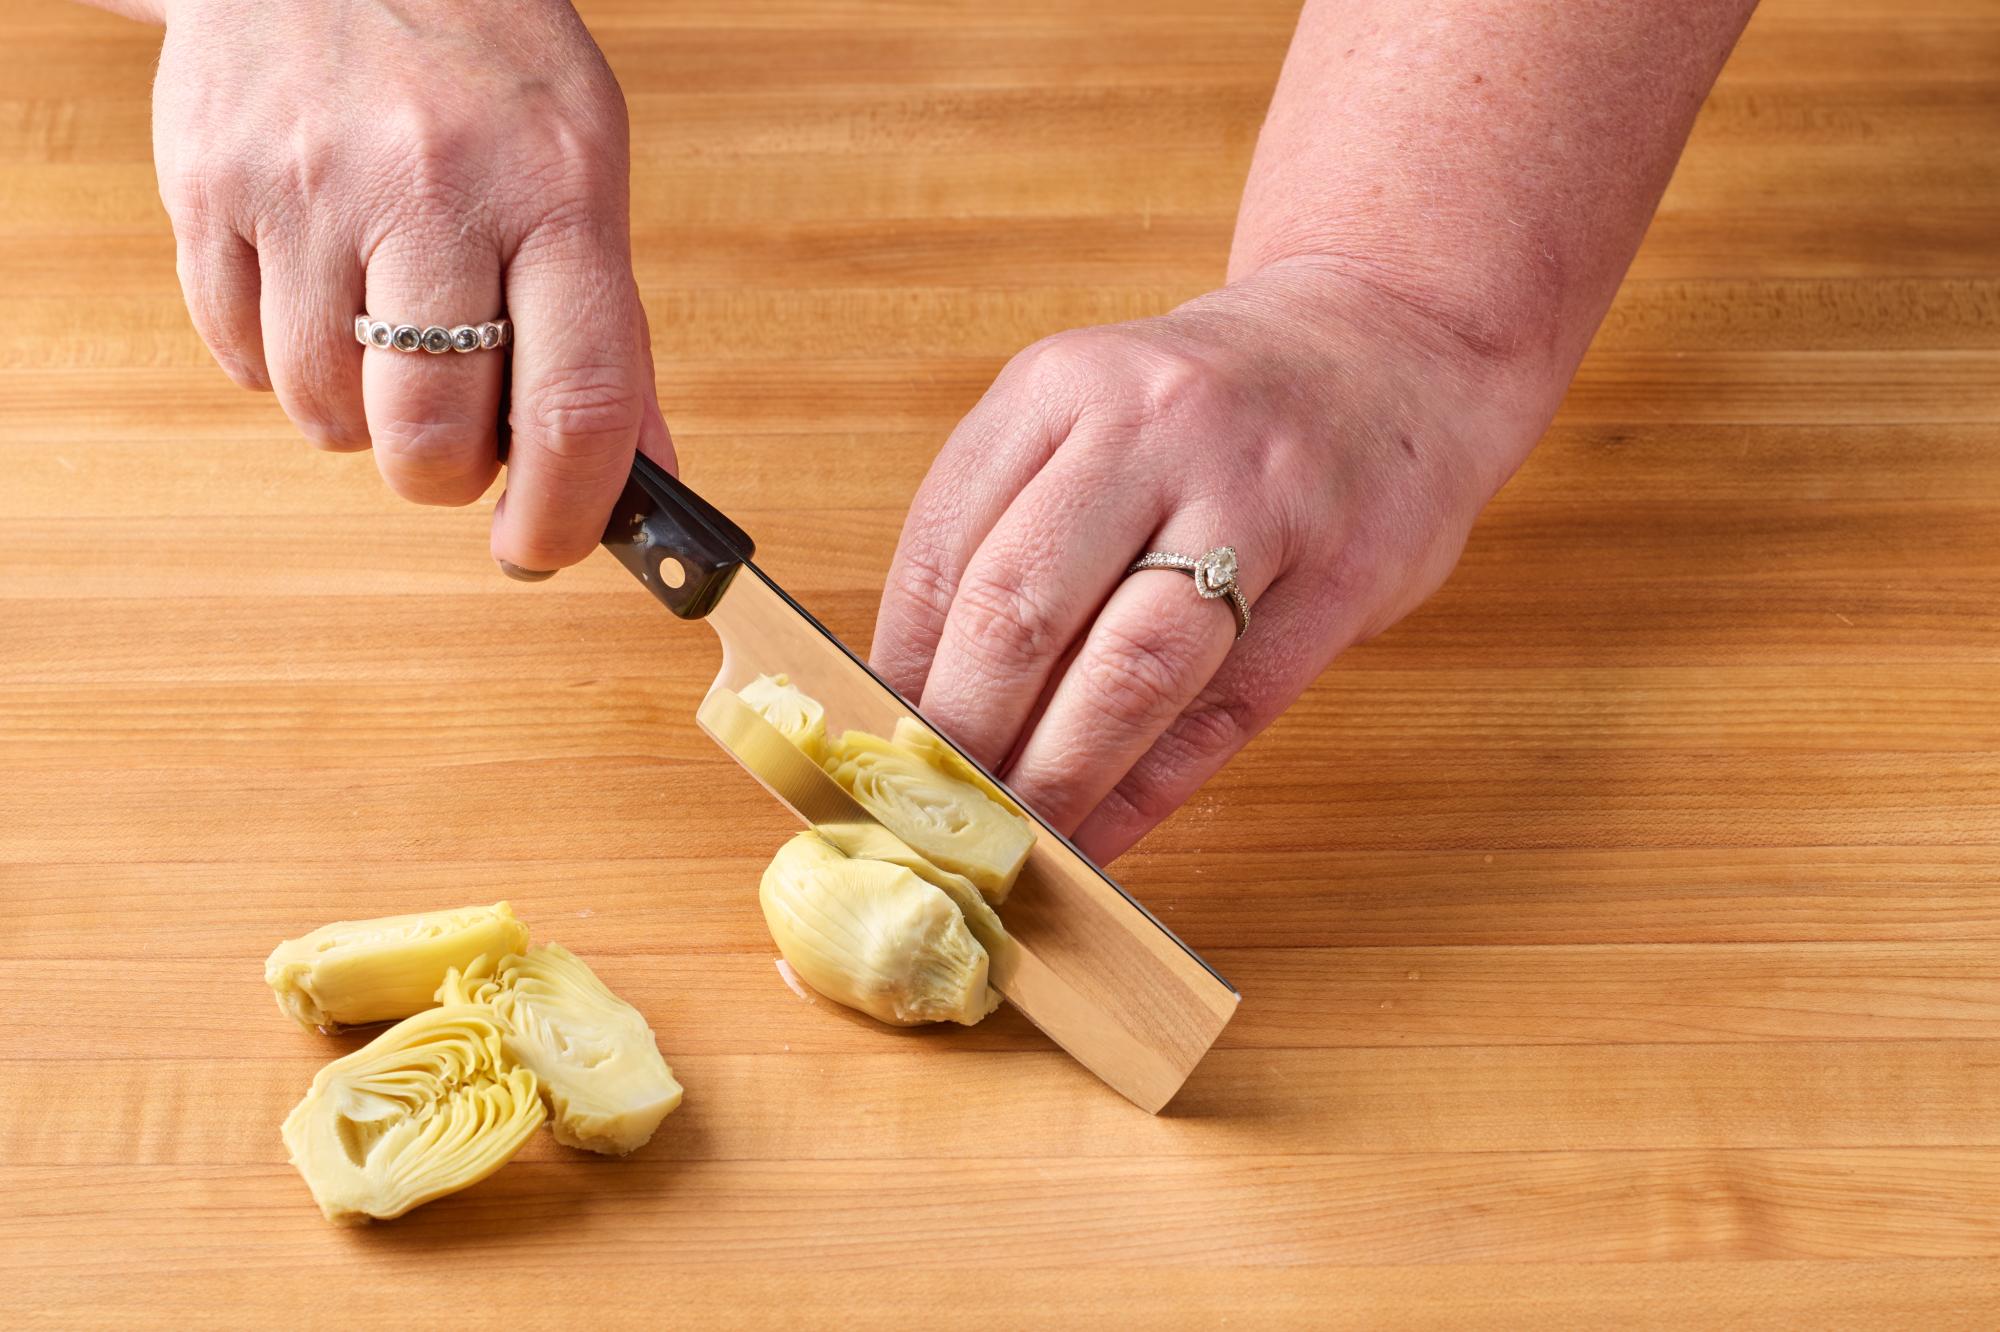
(1214, 576)
(436, 339)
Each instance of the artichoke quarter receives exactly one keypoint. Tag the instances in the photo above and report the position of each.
(431, 1106)
(593, 1053)
(354, 972)
(949, 821)
(874, 935)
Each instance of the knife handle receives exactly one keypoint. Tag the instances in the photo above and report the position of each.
(675, 542)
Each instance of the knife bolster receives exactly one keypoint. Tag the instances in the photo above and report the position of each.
(681, 547)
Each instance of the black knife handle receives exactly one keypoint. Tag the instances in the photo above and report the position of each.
(675, 542)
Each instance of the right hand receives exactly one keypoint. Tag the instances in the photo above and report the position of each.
(435, 162)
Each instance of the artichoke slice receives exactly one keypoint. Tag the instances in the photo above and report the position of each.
(796, 714)
(949, 822)
(359, 971)
(594, 1054)
(874, 936)
(920, 741)
(429, 1107)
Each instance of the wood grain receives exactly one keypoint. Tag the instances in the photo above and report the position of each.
(1619, 936)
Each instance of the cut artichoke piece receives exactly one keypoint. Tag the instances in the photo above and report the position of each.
(871, 841)
(358, 971)
(922, 742)
(429, 1107)
(594, 1054)
(796, 714)
(949, 822)
(874, 936)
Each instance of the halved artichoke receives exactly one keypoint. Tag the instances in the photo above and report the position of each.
(796, 714)
(431, 1106)
(359, 971)
(594, 1054)
(873, 935)
(950, 822)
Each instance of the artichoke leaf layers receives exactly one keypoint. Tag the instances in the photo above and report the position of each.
(431, 1106)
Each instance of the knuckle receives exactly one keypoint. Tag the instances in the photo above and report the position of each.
(924, 578)
(431, 447)
(1005, 622)
(203, 199)
(586, 415)
(1180, 385)
(1214, 725)
(1138, 802)
(1137, 681)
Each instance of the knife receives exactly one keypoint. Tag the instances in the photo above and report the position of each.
(1093, 969)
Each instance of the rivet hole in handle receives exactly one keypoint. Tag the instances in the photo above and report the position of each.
(680, 546)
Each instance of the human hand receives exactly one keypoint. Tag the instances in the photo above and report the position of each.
(1337, 438)
(428, 164)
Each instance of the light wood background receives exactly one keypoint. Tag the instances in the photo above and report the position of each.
(1617, 936)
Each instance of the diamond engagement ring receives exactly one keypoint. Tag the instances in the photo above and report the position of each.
(437, 339)
(1214, 576)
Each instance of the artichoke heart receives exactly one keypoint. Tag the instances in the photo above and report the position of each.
(594, 1054)
(796, 714)
(871, 841)
(874, 936)
(920, 741)
(431, 1106)
(949, 822)
(359, 971)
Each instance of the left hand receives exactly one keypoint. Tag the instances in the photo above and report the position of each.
(1337, 437)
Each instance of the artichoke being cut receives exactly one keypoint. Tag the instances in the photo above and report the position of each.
(950, 822)
(871, 841)
(874, 935)
(797, 715)
(358, 971)
(594, 1054)
(920, 741)
(431, 1106)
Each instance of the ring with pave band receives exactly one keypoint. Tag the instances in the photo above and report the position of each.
(1214, 576)
(436, 339)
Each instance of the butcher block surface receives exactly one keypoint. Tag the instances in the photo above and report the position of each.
(1619, 937)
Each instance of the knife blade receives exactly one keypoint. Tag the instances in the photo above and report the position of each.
(1093, 969)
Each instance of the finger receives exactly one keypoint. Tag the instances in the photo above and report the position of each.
(1030, 590)
(994, 452)
(582, 395)
(311, 294)
(1143, 662)
(1261, 675)
(434, 418)
(220, 282)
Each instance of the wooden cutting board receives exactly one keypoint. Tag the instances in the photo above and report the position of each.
(1619, 937)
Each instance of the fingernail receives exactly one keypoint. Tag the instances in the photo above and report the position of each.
(515, 571)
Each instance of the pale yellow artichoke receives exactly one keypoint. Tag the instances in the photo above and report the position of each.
(873, 935)
(920, 741)
(431, 1106)
(950, 822)
(870, 841)
(354, 972)
(796, 715)
(607, 1086)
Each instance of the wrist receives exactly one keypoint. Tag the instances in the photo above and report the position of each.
(1392, 352)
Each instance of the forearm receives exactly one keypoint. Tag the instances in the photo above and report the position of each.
(1491, 164)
